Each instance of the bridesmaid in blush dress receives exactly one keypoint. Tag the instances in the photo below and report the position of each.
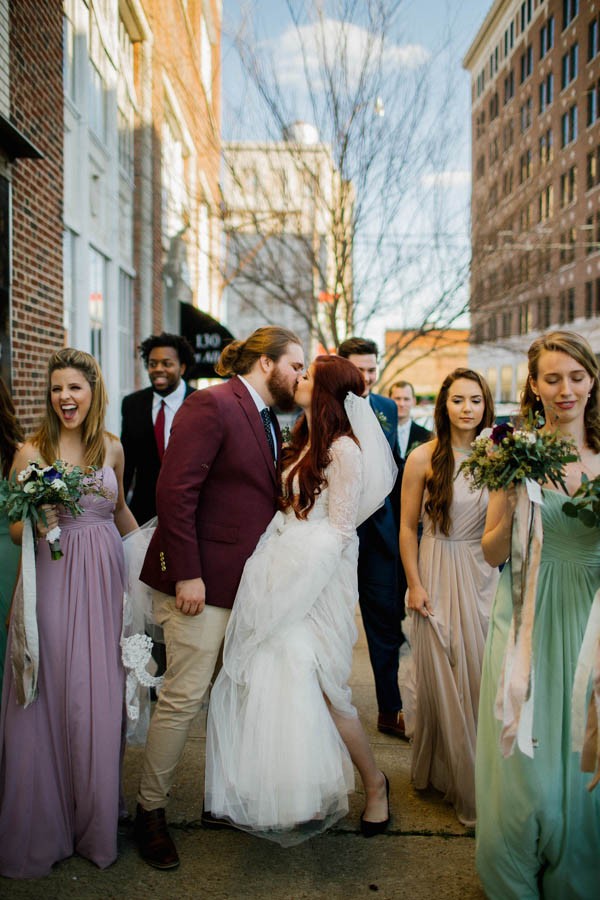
(450, 592)
(60, 754)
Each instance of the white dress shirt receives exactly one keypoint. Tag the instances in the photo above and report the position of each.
(260, 405)
(172, 403)
(403, 435)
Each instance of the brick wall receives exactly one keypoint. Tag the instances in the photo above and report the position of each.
(37, 199)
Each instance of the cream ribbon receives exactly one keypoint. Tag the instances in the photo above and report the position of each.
(585, 731)
(25, 645)
(514, 700)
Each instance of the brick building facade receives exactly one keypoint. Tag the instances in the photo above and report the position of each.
(31, 170)
(535, 77)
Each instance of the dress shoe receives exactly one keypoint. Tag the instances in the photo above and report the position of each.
(392, 723)
(210, 821)
(153, 839)
(370, 829)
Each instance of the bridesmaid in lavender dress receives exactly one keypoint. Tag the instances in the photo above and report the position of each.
(60, 755)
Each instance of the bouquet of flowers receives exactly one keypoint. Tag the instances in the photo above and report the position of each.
(24, 493)
(505, 455)
(585, 502)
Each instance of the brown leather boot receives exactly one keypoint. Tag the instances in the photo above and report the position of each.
(153, 839)
(392, 723)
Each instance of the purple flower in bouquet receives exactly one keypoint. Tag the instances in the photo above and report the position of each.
(501, 431)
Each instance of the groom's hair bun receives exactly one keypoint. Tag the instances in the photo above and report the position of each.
(238, 357)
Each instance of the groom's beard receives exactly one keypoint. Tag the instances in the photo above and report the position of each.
(282, 394)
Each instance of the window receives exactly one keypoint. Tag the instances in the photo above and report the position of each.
(547, 36)
(526, 63)
(69, 290)
(70, 78)
(126, 338)
(493, 150)
(593, 39)
(509, 39)
(567, 306)
(545, 148)
(126, 102)
(525, 218)
(546, 92)
(569, 66)
(567, 246)
(480, 83)
(508, 135)
(97, 274)
(593, 103)
(544, 313)
(480, 125)
(592, 298)
(569, 125)
(493, 197)
(480, 167)
(494, 106)
(506, 384)
(568, 187)
(525, 166)
(492, 329)
(507, 183)
(545, 204)
(524, 321)
(509, 86)
(506, 323)
(526, 10)
(570, 10)
(592, 168)
(592, 234)
(525, 113)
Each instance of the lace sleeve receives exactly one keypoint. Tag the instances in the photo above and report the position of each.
(344, 476)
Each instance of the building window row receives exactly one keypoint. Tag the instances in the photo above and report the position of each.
(568, 126)
(546, 92)
(568, 187)
(569, 66)
(525, 166)
(526, 13)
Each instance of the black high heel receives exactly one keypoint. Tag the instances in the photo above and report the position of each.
(370, 829)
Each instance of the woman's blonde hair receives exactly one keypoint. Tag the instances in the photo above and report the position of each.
(47, 437)
(575, 346)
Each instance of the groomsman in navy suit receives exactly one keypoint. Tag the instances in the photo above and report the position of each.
(379, 558)
(147, 416)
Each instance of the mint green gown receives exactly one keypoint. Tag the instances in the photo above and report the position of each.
(538, 827)
(9, 561)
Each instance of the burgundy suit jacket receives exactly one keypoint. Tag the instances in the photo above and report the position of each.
(216, 493)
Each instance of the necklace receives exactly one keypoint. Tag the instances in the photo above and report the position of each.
(464, 450)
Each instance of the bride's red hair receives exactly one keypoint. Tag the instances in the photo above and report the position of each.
(333, 378)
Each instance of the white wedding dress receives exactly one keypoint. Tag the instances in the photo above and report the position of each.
(275, 763)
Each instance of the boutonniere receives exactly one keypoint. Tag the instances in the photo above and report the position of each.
(286, 434)
(382, 419)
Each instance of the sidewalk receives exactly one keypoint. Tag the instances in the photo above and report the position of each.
(426, 853)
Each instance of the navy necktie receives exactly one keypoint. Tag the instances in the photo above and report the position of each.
(265, 415)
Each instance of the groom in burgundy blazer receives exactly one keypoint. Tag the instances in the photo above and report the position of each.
(216, 494)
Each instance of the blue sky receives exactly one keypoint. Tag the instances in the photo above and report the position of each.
(441, 30)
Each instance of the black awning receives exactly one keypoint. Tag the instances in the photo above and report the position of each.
(14, 143)
(207, 336)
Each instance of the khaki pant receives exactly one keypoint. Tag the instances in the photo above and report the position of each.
(193, 644)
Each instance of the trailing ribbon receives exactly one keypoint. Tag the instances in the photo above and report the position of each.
(25, 645)
(514, 700)
(585, 730)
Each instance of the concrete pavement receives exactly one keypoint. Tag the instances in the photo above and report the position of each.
(426, 853)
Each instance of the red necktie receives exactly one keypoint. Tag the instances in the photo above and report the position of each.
(159, 430)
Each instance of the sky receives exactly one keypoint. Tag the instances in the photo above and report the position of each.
(436, 32)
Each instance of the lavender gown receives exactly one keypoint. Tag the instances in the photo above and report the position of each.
(60, 757)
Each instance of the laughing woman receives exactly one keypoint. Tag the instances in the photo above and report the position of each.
(60, 754)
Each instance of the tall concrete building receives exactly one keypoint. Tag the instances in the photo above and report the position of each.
(535, 83)
(287, 222)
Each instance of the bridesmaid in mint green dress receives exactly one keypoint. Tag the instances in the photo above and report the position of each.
(10, 437)
(538, 826)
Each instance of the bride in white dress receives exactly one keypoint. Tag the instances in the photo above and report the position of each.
(282, 731)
